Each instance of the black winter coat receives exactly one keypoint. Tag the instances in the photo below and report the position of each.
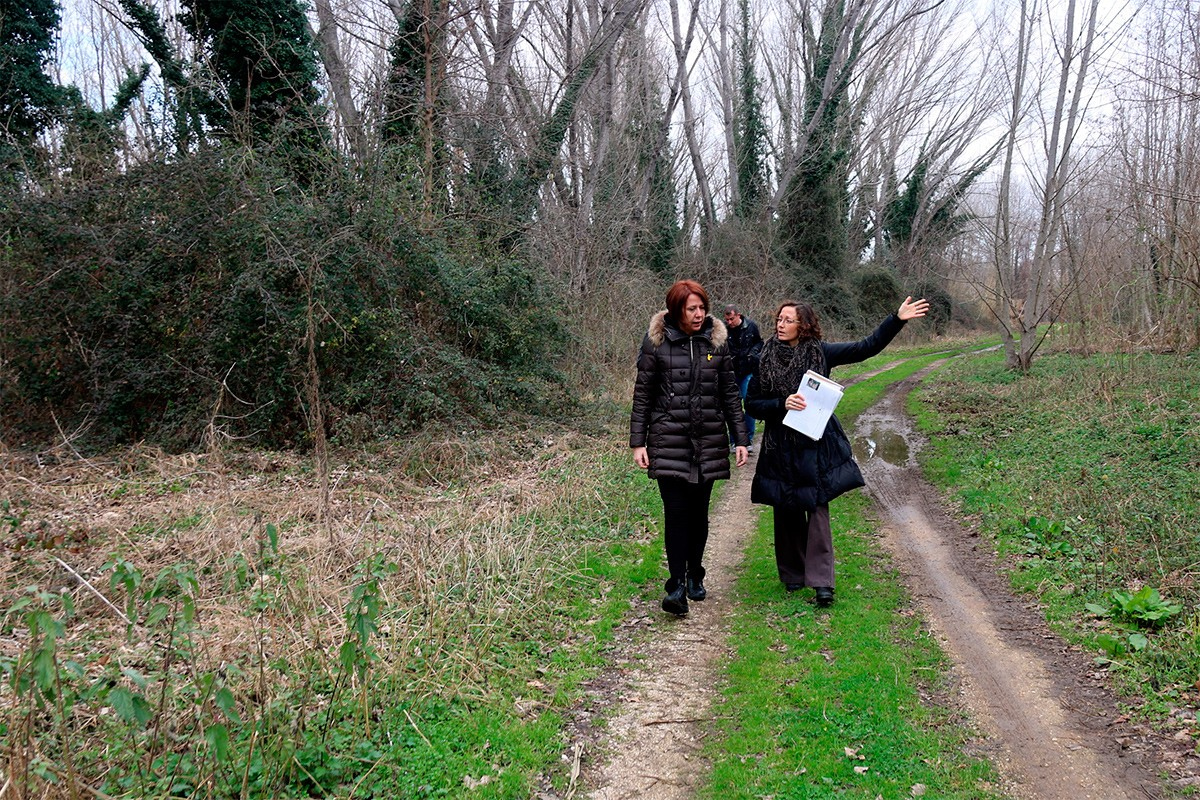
(685, 401)
(794, 472)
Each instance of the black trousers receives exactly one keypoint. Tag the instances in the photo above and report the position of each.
(685, 512)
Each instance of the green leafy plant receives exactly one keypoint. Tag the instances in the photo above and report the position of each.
(1047, 538)
(43, 685)
(11, 518)
(1143, 607)
(362, 615)
(1115, 647)
(127, 578)
(37, 669)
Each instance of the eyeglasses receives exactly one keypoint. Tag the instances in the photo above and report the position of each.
(786, 321)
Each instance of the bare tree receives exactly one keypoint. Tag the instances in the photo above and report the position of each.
(1158, 126)
(330, 51)
(1002, 302)
(683, 37)
(1042, 293)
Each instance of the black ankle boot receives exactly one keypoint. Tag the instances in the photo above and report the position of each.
(676, 601)
(695, 589)
(824, 596)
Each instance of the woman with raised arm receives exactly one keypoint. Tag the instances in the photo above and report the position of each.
(686, 409)
(795, 474)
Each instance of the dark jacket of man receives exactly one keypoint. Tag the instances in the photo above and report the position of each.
(685, 401)
(745, 342)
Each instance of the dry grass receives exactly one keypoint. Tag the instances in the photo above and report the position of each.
(460, 516)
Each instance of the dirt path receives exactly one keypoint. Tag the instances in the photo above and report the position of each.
(1052, 727)
(1042, 705)
(653, 742)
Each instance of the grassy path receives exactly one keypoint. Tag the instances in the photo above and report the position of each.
(655, 742)
(862, 699)
(856, 700)
(459, 622)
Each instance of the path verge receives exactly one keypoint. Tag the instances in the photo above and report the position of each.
(651, 748)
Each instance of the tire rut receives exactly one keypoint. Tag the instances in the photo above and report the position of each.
(1045, 715)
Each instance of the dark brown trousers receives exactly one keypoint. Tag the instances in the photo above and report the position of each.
(804, 547)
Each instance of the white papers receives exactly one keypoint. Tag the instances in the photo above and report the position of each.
(821, 397)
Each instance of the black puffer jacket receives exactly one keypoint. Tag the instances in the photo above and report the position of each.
(793, 471)
(685, 401)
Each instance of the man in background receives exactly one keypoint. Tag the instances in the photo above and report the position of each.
(745, 344)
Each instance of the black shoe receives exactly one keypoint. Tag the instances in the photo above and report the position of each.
(824, 596)
(696, 590)
(675, 602)
(793, 587)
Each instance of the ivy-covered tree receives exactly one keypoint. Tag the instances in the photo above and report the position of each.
(750, 128)
(182, 91)
(265, 62)
(29, 100)
(814, 212)
(412, 124)
(658, 236)
(924, 214)
(404, 92)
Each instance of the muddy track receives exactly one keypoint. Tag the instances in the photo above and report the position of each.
(1051, 725)
(1043, 705)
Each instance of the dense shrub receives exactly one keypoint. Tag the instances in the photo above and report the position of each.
(878, 292)
(176, 298)
(941, 305)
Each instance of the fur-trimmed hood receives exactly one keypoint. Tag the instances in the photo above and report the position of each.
(717, 332)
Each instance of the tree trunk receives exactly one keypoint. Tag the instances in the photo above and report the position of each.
(708, 214)
(329, 49)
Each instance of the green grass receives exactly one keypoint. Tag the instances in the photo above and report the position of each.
(500, 729)
(806, 685)
(1084, 473)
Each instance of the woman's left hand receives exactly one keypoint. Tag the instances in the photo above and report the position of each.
(795, 402)
(742, 455)
(910, 309)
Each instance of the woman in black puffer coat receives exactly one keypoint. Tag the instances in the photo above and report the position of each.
(686, 408)
(796, 475)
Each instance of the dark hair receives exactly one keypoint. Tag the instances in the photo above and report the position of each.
(677, 297)
(810, 326)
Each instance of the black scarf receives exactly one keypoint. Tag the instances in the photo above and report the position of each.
(782, 366)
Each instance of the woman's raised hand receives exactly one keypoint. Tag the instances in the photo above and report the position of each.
(910, 308)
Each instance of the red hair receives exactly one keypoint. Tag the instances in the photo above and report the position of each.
(677, 297)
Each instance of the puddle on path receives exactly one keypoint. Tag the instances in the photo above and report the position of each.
(889, 446)
(883, 435)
